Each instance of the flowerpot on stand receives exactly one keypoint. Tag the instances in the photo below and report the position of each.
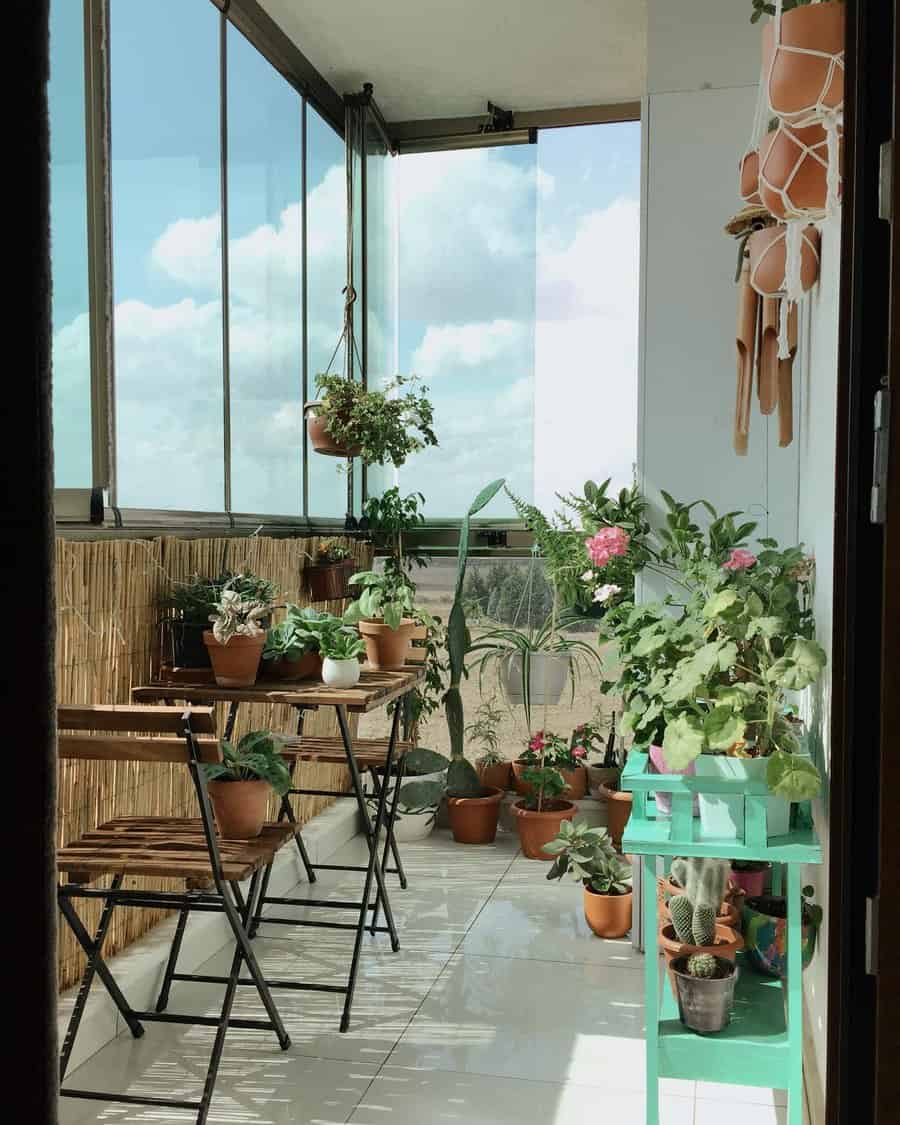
(664, 800)
(340, 673)
(750, 877)
(704, 1003)
(537, 828)
(495, 776)
(609, 916)
(766, 935)
(236, 663)
(722, 815)
(728, 913)
(239, 807)
(473, 820)
(386, 648)
(618, 810)
(726, 944)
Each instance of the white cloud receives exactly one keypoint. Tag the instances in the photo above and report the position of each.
(446, 349)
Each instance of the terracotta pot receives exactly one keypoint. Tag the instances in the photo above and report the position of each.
(496, 776)
(538, 828)
(749, 174)
(321, 440)
(752, 883)
(235, 664)
(327, 582)
(520, 786)
(728, 914)
(308, 667)
(798, 82)
(768, 254)
(609, 916)
(598, 776)
(727, 943)
(473, 820)
(793, 172)
(386, 648)
(575, 779)
(240, 807)
(618, 810)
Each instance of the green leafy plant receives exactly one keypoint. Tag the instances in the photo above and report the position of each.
(234, 616)
(257, 756)
(547, 784)
(301, 632)
(390, 517)
(461, 774)
(386, 425)
(694, 912)
(332, 551)
(342, 644)
(385, 595)
(194, 600)
(588, 855)
(484, 731)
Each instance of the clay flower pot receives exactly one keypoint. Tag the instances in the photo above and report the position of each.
(319, 437)
(598, 776)
(496, 776)
(802, 84)
(768, 257)
(520, 786)
(327, 582)
(618, 810)
(749, 177)
(575, 779)
(239, 807)
(727, 943)
(235, 664)
(386, 648)
(308, 667)
(538, 828)
(609, 916)
(728, 914)
(793, 172)
(473, 820)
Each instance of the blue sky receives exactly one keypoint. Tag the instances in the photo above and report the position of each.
(517, 282)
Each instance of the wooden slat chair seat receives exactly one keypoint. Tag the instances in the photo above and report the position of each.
(369, 752)
(162, 847)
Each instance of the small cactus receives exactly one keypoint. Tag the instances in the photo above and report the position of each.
(694, 912)
(703, 965)
(682, 911)
(704, 925)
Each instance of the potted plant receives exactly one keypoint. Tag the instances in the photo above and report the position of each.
(693, 928)
(533, 667)
(766, 932)
(292, 647)
(542, 810)
(425, 775)
(546, 748)
(379, 426)
(793, 171)
(237, 638)
(493, 769)
(328, 576)
(589, 856)
(618, 809)
(390, 518)
(385, 616)
(728, 911)
(805, 78)
(341, 650)
(750, 875)
(473, 810)
(240, 784)
(590, 737)
(704, 987)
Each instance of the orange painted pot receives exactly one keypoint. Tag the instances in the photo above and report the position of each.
(386, 648)
(496, 776)
(236, 663)
(473, 820)
(609, 916)
(618, 811)
(799, 81)
(538, 828)
(239, 807)
(767, 249)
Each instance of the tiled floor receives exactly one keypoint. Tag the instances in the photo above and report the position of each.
(500, 1008)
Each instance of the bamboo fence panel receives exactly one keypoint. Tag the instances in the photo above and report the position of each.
(108, 595)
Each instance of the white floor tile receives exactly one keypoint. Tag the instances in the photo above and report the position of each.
(738, 1113)
(725, 1092)
(402, 1097)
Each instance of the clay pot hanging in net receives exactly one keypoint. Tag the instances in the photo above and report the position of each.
(803, 62)
(768, 260)
(793, 172)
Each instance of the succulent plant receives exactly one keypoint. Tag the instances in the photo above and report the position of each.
(703, 965)
(694, 912)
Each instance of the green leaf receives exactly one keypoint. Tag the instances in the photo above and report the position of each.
(793, 777)
(420, 760)
(723, 727)
(800, 666)
(393, 615)
(683, 741)
(719, 604)
(421, 794)
(764, 627)
(649, 642)
(462, 779)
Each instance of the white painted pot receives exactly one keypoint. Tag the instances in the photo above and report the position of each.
(411, 824)
(340, 673)
(723, 816)
(547, 676)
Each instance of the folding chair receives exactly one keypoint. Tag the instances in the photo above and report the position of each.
(162, 847)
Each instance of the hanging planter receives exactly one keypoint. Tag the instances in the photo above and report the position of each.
(749, 177)
(793, 172)
(803, 60)
(320, 436)
(768, 260)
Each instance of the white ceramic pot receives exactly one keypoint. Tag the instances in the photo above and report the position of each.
(340, 673)
(547, 676)
(723, 816)
(411, 824)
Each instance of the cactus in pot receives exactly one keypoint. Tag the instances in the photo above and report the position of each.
(704, 966)
(694, 912)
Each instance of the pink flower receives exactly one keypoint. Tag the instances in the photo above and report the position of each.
(537, 742)
(606, 544)
(740, 560)
(579, 752)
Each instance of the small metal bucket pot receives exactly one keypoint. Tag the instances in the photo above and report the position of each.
(704, 1003)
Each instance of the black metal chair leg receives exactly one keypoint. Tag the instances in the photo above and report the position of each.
(95, 966)
(162, 1001)
(390, 844)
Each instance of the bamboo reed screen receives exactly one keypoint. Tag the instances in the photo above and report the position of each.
(108, 595)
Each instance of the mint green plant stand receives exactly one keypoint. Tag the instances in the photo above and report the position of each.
(763, 1043)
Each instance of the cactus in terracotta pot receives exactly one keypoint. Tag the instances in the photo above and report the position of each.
(694, 912)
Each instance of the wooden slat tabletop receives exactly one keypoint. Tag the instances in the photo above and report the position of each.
(374, 690)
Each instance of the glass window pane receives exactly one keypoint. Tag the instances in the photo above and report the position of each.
(68, 234)
(588, 236)
(167, 267)
(466, 318)
(264, 284)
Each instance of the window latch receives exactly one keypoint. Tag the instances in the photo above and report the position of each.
(882, 426)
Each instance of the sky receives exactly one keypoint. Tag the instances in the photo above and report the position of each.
(506, 279)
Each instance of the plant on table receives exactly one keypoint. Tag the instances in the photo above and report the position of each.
(381, 425)
(237, 638)
(341, 649)
(299, 635)
(385, 615)
(239, 785)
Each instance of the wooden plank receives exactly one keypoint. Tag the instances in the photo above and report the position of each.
(116, 748)
(132, 717)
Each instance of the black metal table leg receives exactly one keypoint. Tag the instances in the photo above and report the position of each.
(390, 844)
(230, 721)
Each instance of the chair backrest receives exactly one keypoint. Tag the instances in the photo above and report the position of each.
(135, 728)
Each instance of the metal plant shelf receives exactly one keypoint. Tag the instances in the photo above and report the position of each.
(763, 1043)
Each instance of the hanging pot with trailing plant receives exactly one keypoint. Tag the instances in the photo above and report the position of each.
(327, 577)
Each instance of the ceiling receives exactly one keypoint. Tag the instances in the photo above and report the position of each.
(446, 58)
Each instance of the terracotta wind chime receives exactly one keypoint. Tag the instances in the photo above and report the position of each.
(790, 181)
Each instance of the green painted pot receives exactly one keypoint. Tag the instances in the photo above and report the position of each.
(765, 935)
